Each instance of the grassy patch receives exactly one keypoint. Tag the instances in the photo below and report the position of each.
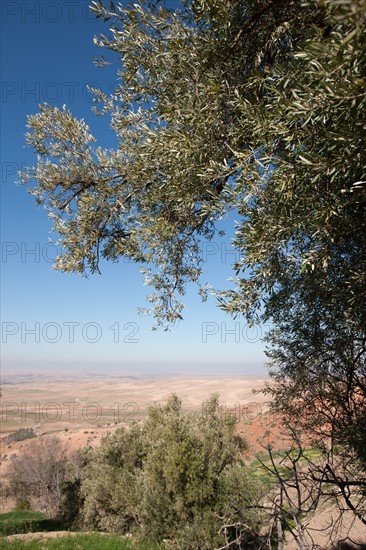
(258, 470)
(24, 521)
(82, 541)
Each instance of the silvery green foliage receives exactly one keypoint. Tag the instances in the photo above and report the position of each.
(220, 106)
(184, 152)
(307, 119)
(179, 477)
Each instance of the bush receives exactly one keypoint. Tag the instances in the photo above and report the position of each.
(20, 435)
(179, 478)
(26, 522)
(72, 500)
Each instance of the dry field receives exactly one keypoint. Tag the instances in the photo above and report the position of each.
(52, 405)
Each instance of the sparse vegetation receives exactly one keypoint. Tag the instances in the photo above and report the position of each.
(20, 435)
(37, 475)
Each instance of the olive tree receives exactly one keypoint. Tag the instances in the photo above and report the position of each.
(252, 107)
(187, 150)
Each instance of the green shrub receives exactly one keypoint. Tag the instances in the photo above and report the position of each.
(20, 435)
(26, 522)
(177, 478)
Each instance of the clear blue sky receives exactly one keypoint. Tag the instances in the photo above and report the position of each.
(53, 320)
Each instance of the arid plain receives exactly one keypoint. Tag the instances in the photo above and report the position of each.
(50, 403)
